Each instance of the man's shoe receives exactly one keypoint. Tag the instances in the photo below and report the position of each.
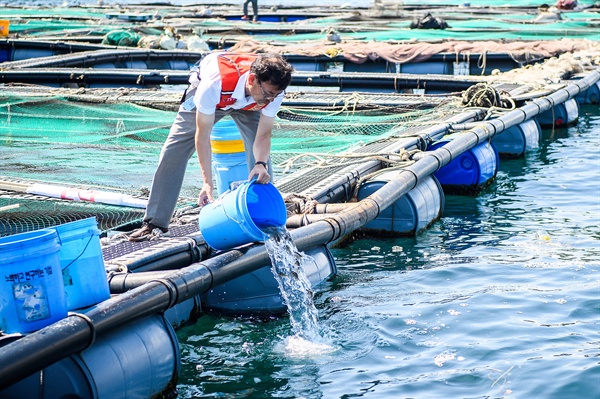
(148, 232)
(245, 18)
(254, 19)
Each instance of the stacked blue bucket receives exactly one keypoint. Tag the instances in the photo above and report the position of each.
(46, 273)
(82, 264)
(229, 157)
(32, 294)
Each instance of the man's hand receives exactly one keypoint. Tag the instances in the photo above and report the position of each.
(206, 195)
(261, 173)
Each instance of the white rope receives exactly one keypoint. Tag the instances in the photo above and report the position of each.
(323, 160)
(305, 203)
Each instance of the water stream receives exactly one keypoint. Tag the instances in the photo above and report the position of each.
(287, 265)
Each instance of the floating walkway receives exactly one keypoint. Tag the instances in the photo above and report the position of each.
(145, 294)
(411, 139)
(460, 58)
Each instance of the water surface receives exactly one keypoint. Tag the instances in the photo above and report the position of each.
(498, 299)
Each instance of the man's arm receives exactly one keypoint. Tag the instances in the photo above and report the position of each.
(204, 125)
(262, 149)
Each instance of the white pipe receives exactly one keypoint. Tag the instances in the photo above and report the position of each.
(74, 194)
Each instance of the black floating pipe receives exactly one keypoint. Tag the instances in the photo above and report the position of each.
(123, 282)
(84, 77)
(145, 77)
(78, 331)
(418, 140)
(89, 58)
(488, 129)
(392, 82)
(44, 347)
(66, 46)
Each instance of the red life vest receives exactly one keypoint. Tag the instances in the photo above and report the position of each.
(232, 67)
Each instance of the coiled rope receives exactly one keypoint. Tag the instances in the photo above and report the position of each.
(483, 95)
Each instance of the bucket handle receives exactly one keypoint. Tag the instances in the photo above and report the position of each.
(92, 231)
(220, 199)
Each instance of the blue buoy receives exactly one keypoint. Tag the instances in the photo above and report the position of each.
(138, 360)
(258, 293)
(563, 114)
(412, 213)
(470, 171)
(517, 140)
(589, 96)
(5, 55)
(19, 54)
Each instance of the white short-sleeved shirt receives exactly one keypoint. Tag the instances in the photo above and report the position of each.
(208, 94)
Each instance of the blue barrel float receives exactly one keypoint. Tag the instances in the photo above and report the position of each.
(563, 114)
(258, 292)
(589, 96)
(410, 214)
(229, 157)
(82, 264)
(140, 359)
(515, 141)
(32, 294)
(237, 217)
(470, 171)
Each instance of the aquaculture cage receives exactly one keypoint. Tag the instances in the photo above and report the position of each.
(84, 143)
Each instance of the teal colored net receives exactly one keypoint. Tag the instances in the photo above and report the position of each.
(482, 20)
(52, 140)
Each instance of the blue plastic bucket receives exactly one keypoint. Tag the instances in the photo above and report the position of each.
(229, 168)
(82, 264)
(229, 156)
(237, 216)
(31, 294)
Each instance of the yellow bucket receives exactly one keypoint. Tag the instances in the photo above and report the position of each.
(4, 27)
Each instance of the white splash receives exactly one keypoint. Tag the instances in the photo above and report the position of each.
(300, 348)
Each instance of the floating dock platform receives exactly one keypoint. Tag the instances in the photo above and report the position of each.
(458, 124)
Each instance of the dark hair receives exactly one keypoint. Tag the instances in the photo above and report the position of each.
(272, 68)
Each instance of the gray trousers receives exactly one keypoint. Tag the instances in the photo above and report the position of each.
(176, 153)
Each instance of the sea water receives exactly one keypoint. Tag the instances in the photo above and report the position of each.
(498, 299)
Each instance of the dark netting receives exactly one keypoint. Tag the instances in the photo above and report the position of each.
(22, 212)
